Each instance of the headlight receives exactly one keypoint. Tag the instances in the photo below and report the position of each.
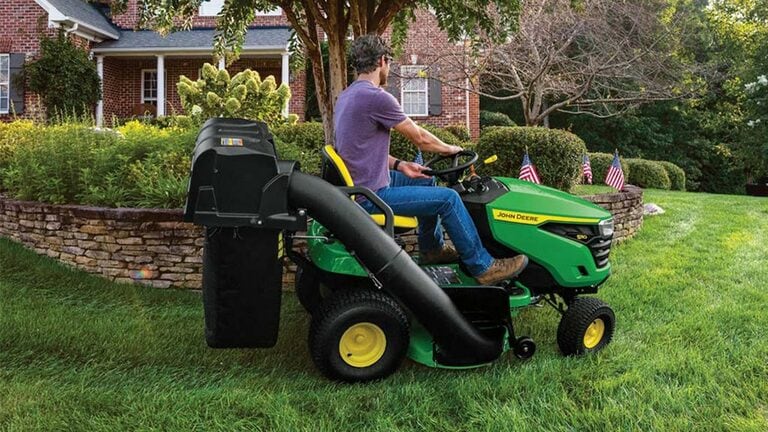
(606, 227)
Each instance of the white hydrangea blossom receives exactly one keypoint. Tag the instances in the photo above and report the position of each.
(762, 80)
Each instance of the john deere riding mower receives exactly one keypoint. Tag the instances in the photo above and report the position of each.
(371, 303)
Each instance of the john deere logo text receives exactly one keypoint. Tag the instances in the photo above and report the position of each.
(524, 218)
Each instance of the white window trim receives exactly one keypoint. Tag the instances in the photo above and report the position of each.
(212, 8)
(143, 99)
(8, 84)
(402, 90)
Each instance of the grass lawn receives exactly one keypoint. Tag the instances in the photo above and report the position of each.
(690, 353)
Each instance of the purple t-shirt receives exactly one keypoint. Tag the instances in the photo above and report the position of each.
(363, 116)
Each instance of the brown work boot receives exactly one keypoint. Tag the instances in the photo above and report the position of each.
(445, 255)
(503, 269)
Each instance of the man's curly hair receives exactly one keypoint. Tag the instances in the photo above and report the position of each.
(366, 52)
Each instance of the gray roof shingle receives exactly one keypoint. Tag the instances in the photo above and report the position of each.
(85, 13)
(191, 40)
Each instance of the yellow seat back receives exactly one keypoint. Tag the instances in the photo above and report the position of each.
(335, 170)
(336, 173)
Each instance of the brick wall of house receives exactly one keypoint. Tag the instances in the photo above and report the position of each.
(427, 45)
(22, 24)
(130, 19)
(122, 84)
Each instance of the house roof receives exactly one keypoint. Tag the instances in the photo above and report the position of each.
(195, 40)
(81, 13)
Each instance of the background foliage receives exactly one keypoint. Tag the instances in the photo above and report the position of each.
(716, 137)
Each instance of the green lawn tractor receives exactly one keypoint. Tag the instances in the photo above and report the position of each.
(371, 303)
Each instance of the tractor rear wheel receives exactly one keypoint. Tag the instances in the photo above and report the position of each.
(358, 335)
(586, 326)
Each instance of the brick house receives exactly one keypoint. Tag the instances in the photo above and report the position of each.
(139, 68)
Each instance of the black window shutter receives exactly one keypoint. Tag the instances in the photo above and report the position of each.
(393, 82)
(435, 93)
(17, 83)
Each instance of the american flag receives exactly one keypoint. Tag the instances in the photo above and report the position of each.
(615, 176)
(419, 158)
(586, 169)
(528, 171)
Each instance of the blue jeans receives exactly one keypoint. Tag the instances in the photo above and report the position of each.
(433, 205)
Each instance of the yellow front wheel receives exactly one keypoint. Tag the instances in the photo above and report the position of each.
(587, 326)
(358, 335)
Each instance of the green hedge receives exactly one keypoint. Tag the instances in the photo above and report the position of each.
(302, 142)
(403, 149)
(600, 162)
(308, 135)
(459, 131)
(557, 154)
(491, 118)
(648, 174)
(676, 175)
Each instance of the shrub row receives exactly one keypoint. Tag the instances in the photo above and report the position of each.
(491, 118)
(641, 172)
(141, 165)
(557, 154)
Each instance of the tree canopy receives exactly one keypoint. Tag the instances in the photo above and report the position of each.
(335, 18)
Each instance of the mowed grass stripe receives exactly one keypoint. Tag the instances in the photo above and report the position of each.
(79, 353)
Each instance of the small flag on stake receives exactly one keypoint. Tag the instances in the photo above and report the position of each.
(615, 176)
(528, 171)
(586, 169)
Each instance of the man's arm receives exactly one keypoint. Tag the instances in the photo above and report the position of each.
(424, 140)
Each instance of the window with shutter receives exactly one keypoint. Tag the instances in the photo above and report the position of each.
(5, 83)
(414, 90)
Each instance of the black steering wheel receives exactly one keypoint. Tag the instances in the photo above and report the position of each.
(451, 174)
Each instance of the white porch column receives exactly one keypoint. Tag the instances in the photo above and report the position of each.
(160, 85)
(285, 78)
(222, 64)
(100, 104)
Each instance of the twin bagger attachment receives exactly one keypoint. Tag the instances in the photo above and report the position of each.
(238, 190)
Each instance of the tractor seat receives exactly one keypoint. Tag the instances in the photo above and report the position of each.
(336, 173)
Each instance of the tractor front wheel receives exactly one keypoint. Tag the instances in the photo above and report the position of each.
(586, 326)
(358, 335)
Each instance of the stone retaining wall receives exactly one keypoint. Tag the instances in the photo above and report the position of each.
(627, 210)
(150, 246)
(154, 247)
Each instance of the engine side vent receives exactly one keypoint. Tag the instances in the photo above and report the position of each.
(589, 235)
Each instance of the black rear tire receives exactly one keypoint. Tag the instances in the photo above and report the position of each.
(586, 326)
(358, 335)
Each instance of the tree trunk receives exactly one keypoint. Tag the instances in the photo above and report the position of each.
(337, 63)
(324, 103)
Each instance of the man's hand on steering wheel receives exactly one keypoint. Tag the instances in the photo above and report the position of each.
(450, 150)
(413, 170)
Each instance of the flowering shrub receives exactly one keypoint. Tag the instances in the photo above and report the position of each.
(245, 95)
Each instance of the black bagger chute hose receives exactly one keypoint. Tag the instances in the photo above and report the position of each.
(459, 342)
